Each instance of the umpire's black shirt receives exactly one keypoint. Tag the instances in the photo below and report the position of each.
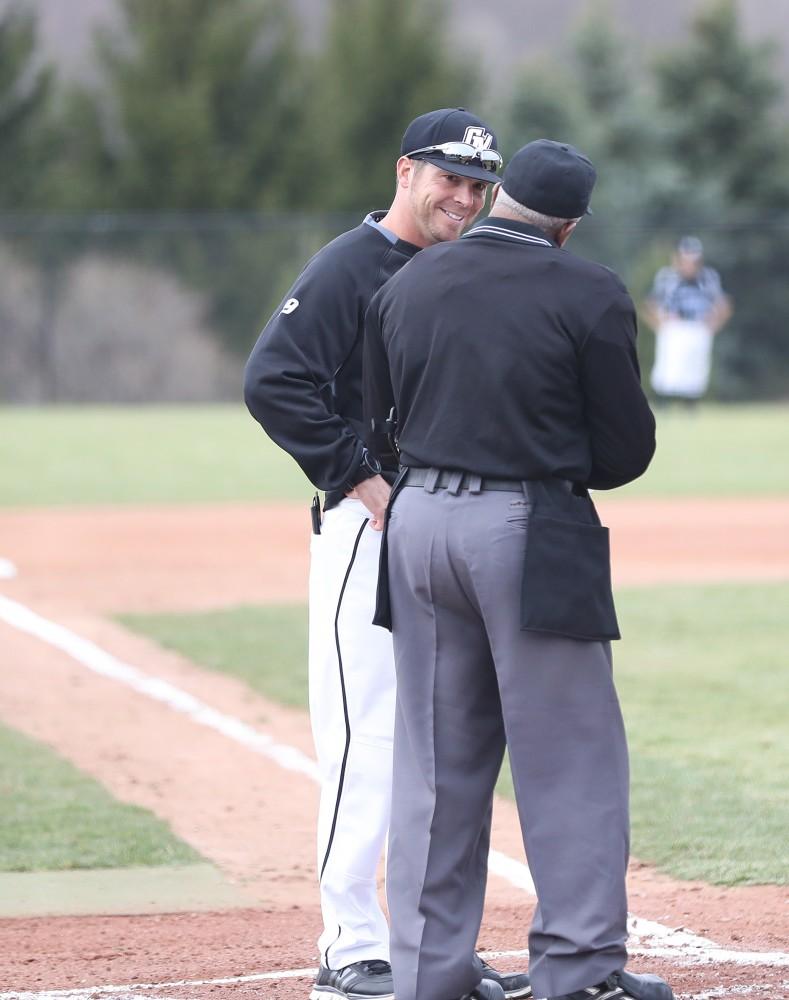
(509, 357)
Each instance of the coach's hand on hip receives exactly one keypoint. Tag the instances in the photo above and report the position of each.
(374, 494)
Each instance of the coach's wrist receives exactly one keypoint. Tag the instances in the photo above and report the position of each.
(368, 467)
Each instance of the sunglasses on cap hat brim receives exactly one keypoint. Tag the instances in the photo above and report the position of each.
(460, 152)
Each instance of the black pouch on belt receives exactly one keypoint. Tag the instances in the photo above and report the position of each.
(383, 610)
(566, 584)
(315, 514)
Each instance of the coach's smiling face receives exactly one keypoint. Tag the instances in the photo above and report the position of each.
(442, 204)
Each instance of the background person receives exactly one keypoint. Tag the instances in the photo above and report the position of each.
(303, 383)
(686, 308)
(513, 369)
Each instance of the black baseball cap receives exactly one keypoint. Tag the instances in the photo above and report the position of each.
(450, 125)
(550, 177)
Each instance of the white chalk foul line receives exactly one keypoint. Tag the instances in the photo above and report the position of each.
(515, 872)
(100, 662)
(683, 956)
(724, 992)
(648, 937)
(136, 991)
(7, 569)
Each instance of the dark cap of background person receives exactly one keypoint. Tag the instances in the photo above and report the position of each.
(552, 178)
(450, 125)
(691, 245)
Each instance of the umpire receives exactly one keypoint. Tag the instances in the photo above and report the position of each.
(512, 367)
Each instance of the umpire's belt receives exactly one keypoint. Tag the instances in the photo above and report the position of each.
(456, 480)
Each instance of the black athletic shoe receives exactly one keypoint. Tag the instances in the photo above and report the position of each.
(516, 985)
(358, 981)
(624, 986)
(488, 989)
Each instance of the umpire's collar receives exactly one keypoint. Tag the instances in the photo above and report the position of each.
(510, 230)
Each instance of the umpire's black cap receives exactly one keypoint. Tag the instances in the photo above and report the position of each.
(552, 178)
(451, 125)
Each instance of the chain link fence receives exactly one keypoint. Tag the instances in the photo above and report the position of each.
(134, 309)
(165, 308)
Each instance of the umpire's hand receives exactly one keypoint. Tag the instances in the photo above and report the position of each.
(374, 494)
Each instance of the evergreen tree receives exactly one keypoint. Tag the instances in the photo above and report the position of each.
(601, 104)
(545, 104)
(641, 189)
(383, 64)
(723, 95)
(724, 98)
(616, 110)
(205, 101)
(25, 132)
(200, 111)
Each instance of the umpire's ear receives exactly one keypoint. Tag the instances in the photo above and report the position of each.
(494, 194)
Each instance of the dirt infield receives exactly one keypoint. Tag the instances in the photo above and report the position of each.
(244, 811)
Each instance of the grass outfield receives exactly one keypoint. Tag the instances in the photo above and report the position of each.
(54, 818)
(140, 455)
(266, 646)
(701, 673)
(198, 454)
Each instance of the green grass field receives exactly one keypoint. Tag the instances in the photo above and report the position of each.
(718, 451)
(127, 455)
(198, 454)
(702, 677)
(266, 647)
(701, 670)
(54, 818)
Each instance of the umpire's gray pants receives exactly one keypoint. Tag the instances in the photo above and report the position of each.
(467, 679)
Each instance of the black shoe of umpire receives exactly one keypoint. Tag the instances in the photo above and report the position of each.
(370, 980)
(488, 989)
(516, 985)
(624, 986)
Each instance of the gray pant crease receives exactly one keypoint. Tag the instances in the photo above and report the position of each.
(467, 675)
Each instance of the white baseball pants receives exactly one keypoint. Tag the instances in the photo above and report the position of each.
(683, 358)
(352, 704)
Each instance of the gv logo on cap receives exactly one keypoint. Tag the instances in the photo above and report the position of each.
(477, 136)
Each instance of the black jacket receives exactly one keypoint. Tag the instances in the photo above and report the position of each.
(303, 379)
(509, 357)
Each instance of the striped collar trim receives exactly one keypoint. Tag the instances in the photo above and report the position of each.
(508, 234)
